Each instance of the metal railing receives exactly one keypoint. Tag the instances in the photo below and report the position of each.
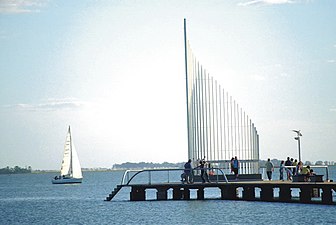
(291, 167)
(127, 178)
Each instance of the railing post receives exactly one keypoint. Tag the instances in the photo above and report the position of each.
(127, 176)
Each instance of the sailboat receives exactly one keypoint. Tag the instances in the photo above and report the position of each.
(71, 171)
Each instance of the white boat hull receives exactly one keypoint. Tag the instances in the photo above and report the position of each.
(67, 181)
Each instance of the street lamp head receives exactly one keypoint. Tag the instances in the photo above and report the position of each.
(298, 132)
(296, 138)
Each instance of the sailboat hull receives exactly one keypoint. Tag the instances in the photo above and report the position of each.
(67, 181)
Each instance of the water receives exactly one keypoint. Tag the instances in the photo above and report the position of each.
(32, 199)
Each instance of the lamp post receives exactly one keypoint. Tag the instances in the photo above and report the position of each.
(298, 132)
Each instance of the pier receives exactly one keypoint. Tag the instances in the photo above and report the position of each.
(219, 129)
(255, 190)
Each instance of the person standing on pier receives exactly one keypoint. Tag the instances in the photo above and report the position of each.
(269, 169)
(281, 169)
(299, 167)
(288, 170)
(188, 172)
(231, 164)
(295, 163)
(236, 167)
(204, 173)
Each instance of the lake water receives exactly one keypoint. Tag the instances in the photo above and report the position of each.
(32, 199)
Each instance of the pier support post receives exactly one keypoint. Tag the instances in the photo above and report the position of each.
(137, 194)
(316, 193)
(305, 194)
(285, 194)
(161, 194)
(248, 193)
(177, 193)
(327, 196)
(229, 192)
(186, 194)
(267, 194)
(200, 194)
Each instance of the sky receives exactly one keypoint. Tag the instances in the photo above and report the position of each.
(114, 71)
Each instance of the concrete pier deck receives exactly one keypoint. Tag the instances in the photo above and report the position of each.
(309, 192)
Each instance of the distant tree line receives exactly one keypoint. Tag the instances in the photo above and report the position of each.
(276, 162)
(146, 165)
(150, 165)
(15, 170)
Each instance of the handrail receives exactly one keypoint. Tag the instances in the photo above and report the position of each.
(312, 166)
(127, 172)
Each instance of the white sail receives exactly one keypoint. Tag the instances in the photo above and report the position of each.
(71, 171)
(66, 162)
(70, 164)
(76, 168)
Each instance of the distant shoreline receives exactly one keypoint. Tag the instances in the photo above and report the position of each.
(96, 170)
(137, 166)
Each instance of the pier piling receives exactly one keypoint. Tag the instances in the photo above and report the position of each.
(267, 194)
(327, 196)
(138, 193)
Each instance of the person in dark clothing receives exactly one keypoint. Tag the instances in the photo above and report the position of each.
(269, 168)
(236, 167)
(295, 163)
(188, 172)
(288, 163)
(204, 173)
(231, 164)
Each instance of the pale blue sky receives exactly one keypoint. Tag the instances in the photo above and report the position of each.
(114, 71)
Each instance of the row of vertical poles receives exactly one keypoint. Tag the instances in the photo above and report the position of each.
(218, 129)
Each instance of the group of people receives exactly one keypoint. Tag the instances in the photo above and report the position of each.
(59, 177)
(234, 164)
(291, 167)
(188, 177)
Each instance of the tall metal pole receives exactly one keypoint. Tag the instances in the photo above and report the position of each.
(187, 89)
(206, 113)
(299, 149)
(196, 103)
(298, 132)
